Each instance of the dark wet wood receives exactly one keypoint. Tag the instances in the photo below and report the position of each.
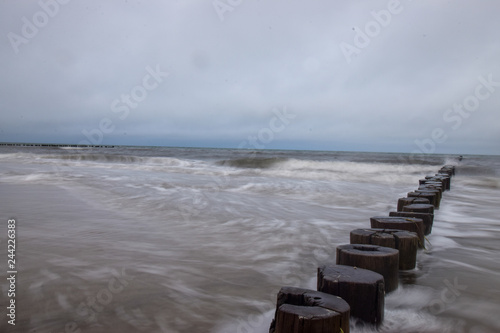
(411, 200)
(401, 223)
(431, 196)
(362, 289)
(382, 260)
(300, 319)
(405, 242)
(307, 311)
(427, 218)
(419, 208)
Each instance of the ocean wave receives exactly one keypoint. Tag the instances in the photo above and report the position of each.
(121, 159)
(483, 182)
(322, 170)
(349, 171)
(252, 163)
(309, 164)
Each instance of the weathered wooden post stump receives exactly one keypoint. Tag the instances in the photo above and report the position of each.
(448, 169)
(428, 189)
(293, 318)
(442, 178)
(419, 208)
(380, 259)
(428, 219)
(411, 200)
(445, 179)
(444, 175)
(435, 182)
(432, 186)
(402, 223)
(431, 196)
(405, 242)
(309, 311)
(362, 289)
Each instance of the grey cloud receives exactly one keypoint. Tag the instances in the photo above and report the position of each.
(226, 76)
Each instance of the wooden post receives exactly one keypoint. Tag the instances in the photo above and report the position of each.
(405, 242)
(427, 218)
(435, 183)
(411, 200)
(432, 197)
(362, 289)
(382, 260)
(445, 178)
(429, 189)
(309, 311)
(402, 223)
(293, 318)
(448, 169)
(419, 208)
(432, 186)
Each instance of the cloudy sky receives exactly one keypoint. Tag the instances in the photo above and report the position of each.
(396, 76)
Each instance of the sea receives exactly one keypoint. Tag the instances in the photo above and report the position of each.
(160, 239)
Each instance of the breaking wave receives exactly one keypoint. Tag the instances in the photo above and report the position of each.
(253, 163)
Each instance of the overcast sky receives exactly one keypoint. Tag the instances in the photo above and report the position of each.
(395, 76)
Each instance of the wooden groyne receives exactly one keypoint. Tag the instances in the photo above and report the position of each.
(366, 269)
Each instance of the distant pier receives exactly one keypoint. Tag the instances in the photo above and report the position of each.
(13, 144)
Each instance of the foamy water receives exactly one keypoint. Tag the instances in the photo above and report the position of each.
(201, 240)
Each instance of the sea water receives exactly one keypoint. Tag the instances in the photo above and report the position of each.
(154, 239)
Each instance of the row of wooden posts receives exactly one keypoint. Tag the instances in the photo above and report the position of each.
(366, 269)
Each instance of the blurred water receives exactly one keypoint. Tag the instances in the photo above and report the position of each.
(200, 240)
